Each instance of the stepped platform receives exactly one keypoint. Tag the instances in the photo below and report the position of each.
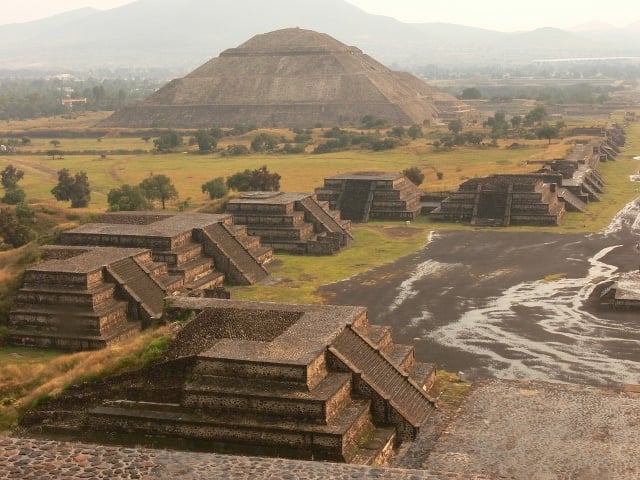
(361, 196)
(299, 381)
(291, 222)
(502, 200)
(71, 301)
(133, 260)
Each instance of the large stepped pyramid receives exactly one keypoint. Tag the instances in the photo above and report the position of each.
(288, 78)
(292, 222)
(300, 381)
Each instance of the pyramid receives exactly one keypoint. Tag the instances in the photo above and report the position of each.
(286, 78)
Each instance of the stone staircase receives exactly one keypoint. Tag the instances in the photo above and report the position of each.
(139, 286)
(324, 220)
(231, 255)
(398, 399)
(572, 203)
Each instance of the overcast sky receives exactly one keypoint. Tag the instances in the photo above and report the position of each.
(503, 15)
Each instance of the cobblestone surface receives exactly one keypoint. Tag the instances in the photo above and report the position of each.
(25, 459)
(542, 431)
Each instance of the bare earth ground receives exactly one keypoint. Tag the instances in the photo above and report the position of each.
(556, 378)
(509, 305)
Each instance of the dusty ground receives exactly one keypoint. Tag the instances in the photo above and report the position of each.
(495, 304)
(542, 431)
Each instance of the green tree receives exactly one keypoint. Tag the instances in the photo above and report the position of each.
(455, 126)
(205, 141)
(10, 177)
(263, 142)
(167, 141)
(547, 131)
(260, 179)
(74, 188)
(128, 198)
(415, 131)
(414, 174)
(471, 93)
(216, 188)
(55, 143)
(13, 231)
(516, 121)
(536, 115)
(159, 187)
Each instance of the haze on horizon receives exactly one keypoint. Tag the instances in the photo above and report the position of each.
(501, 15)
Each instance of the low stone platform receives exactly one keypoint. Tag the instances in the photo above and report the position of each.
(361, 196)
(291, 222)
(299, 381)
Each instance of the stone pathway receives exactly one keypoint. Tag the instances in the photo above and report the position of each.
(27, 459)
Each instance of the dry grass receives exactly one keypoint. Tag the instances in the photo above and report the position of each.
(30, 375)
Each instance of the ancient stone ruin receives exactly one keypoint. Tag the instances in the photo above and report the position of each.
(371, 195)
(110, 278)
(299, 381)
(288, 78)
(291, 222)
(503, 200)
(539, 198)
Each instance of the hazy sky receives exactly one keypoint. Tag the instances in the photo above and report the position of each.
(503, 15)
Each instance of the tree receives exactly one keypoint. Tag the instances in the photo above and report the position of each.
(10, 177)
(254, 180)
(471, 93)
(55, 143)
(167, 141)
(216, 188)
(415, 131)
(159, 187)
(535, 115)
(74, 188)
(128, 198)
(547, 131)
(205, 141)
(516, 121)
(414, 174)
(263, 142)
(13, 231)
(455, 126)
(237, 149)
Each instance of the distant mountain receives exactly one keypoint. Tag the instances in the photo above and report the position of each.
(177, 36)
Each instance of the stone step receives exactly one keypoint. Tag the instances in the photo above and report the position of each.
(73, 342)
(65, 318)
(405, 397)
(209, 280)
(401, 355)
(379, 335)
(139, 285)
(236, 431)
(193, 268)
(180, 255)
(423, 374)
(376, 448)
(48, 295)
(283, 399)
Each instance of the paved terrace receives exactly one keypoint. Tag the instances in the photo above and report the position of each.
(167, 227)
(27, 459)
(87, 260)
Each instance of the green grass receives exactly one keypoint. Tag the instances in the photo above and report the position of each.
(296, 278)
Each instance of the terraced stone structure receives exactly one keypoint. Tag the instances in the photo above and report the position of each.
(362, 196)
(501, 200)
(540, 198)
(300, 381)
(288, 78)
(111, 277)
(291, 222)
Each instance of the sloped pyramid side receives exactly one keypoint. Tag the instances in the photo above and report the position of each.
(290, 77)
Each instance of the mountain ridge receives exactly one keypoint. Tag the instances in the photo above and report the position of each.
(156, 34)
